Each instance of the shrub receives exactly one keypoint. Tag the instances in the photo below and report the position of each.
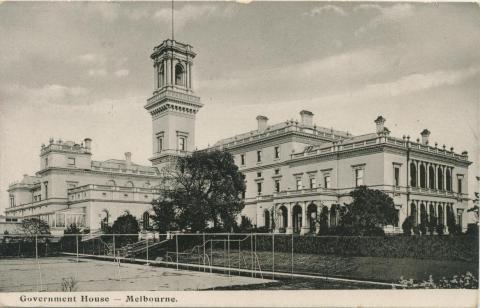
(407, 225)
(440, 229)
(472, 230)
(467, 281)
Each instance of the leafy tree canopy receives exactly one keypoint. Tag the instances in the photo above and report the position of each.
(34, 226)
(126, 224)
(369, 211)
(202, 188)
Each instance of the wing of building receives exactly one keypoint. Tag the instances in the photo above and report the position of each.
(295, 170)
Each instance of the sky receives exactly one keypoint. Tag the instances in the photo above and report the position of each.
(82, 69)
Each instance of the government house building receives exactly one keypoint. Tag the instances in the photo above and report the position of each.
(295, 170)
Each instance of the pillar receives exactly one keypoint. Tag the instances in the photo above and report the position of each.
(289, 229)
(444, 178)
(305, 228)
(156, 70)
(187, 75)
(168, 72)
(190, 76)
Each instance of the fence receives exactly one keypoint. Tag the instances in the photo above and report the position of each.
(260, 255)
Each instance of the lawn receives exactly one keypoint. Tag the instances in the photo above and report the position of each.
(361, 268)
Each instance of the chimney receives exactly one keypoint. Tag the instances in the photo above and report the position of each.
(87, 144)
(262, 123)
(380, 121)
(307, 117)
(425, 134)
(128, 158)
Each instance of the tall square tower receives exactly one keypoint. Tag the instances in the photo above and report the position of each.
(173, 105)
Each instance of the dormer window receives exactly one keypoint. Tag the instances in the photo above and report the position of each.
(179, 75)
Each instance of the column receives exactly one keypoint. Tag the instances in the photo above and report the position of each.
(417, 163)
(190, 76)
(289, 229)
(155, 78)
(427, 175)
(319, 213)
(187, 74)
(444, 178)
(305, 228)
(168, 72)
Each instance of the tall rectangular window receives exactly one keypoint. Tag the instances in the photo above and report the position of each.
(159, 144)
(12, 201)
(299, 183)
(313, 182)
(397, 217)
(45, 184)
(259, 188)
(182, 144)
(46, 162)
(459, 185)
(242, 159)
(326, 181)
(277, 152)
(259, 156)
(277, 185)
(396, 179)
(358, 177)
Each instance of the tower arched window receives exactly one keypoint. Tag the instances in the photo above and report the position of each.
(413, 175)
(161, 76)
(448, 175)
(431, 177)
(440, 179)
(423, 176)
(179, 75)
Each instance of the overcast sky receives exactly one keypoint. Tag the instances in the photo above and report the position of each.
(76, 70)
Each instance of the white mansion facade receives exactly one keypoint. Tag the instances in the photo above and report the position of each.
(294, 170)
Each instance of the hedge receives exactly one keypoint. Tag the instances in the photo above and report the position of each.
(463, 248)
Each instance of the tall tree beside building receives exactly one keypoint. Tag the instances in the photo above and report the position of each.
(205, 187)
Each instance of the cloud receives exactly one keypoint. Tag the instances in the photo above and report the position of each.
(319, 10)
(385, 14)
(189, 13)
(91, 58)
(48, 94)
(122, 72)
(97, 72)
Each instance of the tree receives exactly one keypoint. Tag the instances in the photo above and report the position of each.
(34, 226)
(125, 224)
(245, 225)
(369, 211)
(164, 219)
(407, 225)
(68, 240)
(202, 188)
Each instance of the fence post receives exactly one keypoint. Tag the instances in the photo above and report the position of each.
(251, 250)
(76, 240)
(36, 248)
(113, 237)
(273, 256)
(292, 255)
(147, 249)
(228, 253)
(176, 247)
(204, 251)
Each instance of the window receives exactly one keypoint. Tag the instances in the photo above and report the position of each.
(277, 185)
(397, 215)
(12, 201)
(459, 185)
(440, 179)
(431, 177)
(146, 221)
(423, 176)
(161, 80)
(179, 75)
(259, 174)
(277, 171)
(259, 188)
(299, 183)
(277, 152)
(60, 220)
(182, 146)
(396, 176)
(259, 156)
(45, 184)
(46, 162)
(448, 180)
(358, 177)
(242, 159)
(459, 217)
(159, 144)
(71, 161)
(313, 182)
(413, 175)
(326, 181)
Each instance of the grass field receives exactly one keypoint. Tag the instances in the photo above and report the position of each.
(362, 268)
